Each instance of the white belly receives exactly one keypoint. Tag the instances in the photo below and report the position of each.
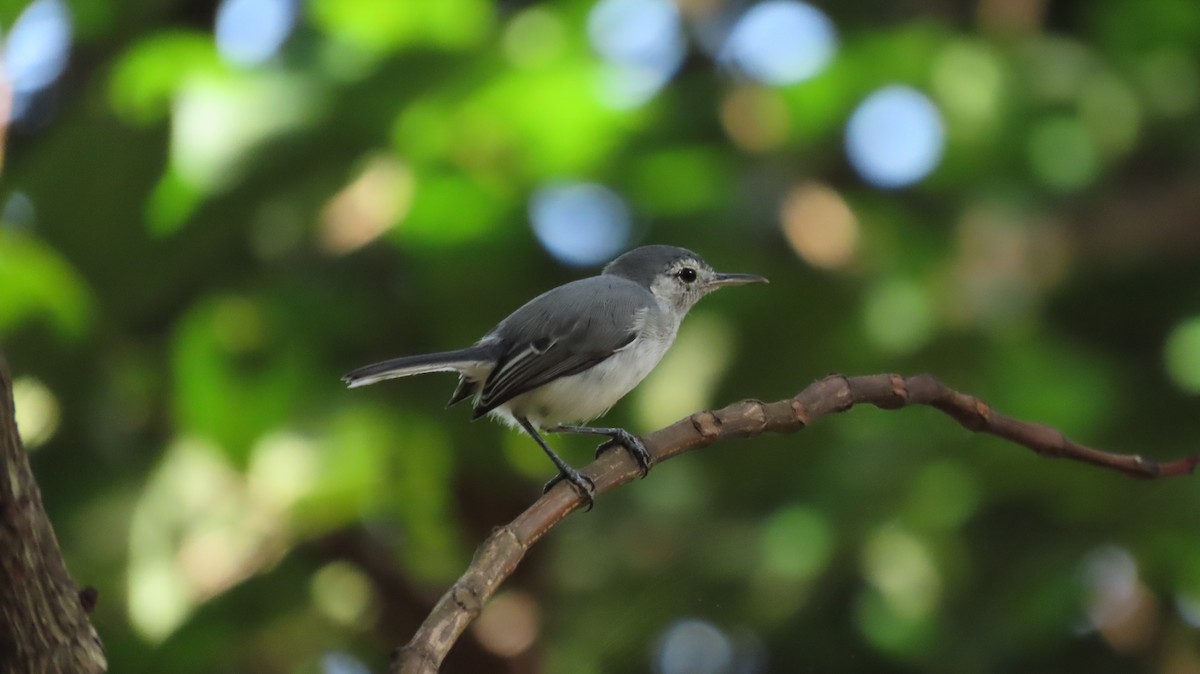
(589, 394)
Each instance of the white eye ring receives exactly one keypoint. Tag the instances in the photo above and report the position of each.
(687, 274)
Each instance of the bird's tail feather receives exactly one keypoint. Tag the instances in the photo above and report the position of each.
(406, 366)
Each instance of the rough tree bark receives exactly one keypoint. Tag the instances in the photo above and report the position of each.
(44, 627)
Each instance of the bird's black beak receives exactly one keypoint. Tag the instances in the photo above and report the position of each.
(722, 280)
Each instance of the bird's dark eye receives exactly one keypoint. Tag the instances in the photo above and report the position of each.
(687, 274)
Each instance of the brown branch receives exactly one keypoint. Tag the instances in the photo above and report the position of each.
(403, 605)
(44, 627)
(500, 554)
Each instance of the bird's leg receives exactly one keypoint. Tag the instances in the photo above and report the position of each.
(582, 483)
(619, 436)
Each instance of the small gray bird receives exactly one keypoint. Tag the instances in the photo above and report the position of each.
(570, 353)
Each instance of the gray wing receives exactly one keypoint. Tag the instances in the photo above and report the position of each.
(563, 332)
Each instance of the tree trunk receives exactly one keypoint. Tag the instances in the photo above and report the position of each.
(44, 627)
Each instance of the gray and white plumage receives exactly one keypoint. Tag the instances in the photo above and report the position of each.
(572, 352)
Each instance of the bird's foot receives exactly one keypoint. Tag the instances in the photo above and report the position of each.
(582, 484)
(636, 448)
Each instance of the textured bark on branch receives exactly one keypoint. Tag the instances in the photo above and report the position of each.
(500, 554)
(44, 628)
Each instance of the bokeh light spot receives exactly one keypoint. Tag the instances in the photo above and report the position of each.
(797, 542)
(1120, 606)
(158, 597)
(889, 630)
(1111, 113)
(1004, 257)
(642, 42)
(1182, 355)
(895, 137)
(1188, 608)
(373, 202)
(239, 326)
(534, 36)
(781, 42)
(217, 121)
(633, 31)
(898, 316)
(368, 29)
(509, 624)
(1062, 153)
(1056, 68)
(1171, 80)
(36, 51)
(342, 592)
(820, 226)
(37, 411)
(248, 32)
(1011, 16)
(284, 466)
(18, 212)
(969, 84)
(181, 537)
(338, 662)
(901, 569)
(755, 118)
(38, 284)
(581, 224)
(693, 647)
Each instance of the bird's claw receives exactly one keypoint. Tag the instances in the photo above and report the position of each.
(582, 484)
(636, 448)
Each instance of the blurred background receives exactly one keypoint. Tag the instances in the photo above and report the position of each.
(212, 210)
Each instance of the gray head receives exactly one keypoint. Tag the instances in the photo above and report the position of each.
(676, 276)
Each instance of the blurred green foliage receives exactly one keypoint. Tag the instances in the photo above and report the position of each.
(193, 250)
